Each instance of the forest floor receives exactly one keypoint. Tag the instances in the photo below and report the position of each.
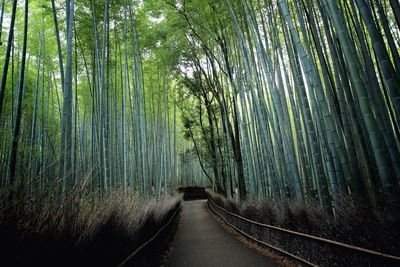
(202, 241)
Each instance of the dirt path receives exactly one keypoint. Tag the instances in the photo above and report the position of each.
(202, 241)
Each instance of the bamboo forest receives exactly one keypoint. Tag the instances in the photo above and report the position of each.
(128, 126)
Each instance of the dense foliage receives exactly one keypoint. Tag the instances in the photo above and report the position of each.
(84, 110)
(281, 99)
(291, 99)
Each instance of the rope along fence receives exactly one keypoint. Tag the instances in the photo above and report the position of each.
(307, 249)
(131, 258)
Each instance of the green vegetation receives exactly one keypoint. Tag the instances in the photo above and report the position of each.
(289, 99)
(263, 100)
(79, 102)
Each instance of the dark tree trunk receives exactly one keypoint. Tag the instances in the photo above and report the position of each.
(17, 127)
(8, 52)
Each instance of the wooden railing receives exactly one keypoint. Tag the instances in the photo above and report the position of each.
(306, 249)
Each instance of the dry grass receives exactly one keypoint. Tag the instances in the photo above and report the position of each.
(41, 230)
(354, 223)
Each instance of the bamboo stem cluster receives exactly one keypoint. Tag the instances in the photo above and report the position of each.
(89, 117)
(312, 86)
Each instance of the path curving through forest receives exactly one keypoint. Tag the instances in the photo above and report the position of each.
(201, 241)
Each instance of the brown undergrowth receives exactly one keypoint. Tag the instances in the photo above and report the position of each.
(38, 229)
(354, 223)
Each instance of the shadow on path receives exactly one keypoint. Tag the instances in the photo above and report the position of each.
(202, 242)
